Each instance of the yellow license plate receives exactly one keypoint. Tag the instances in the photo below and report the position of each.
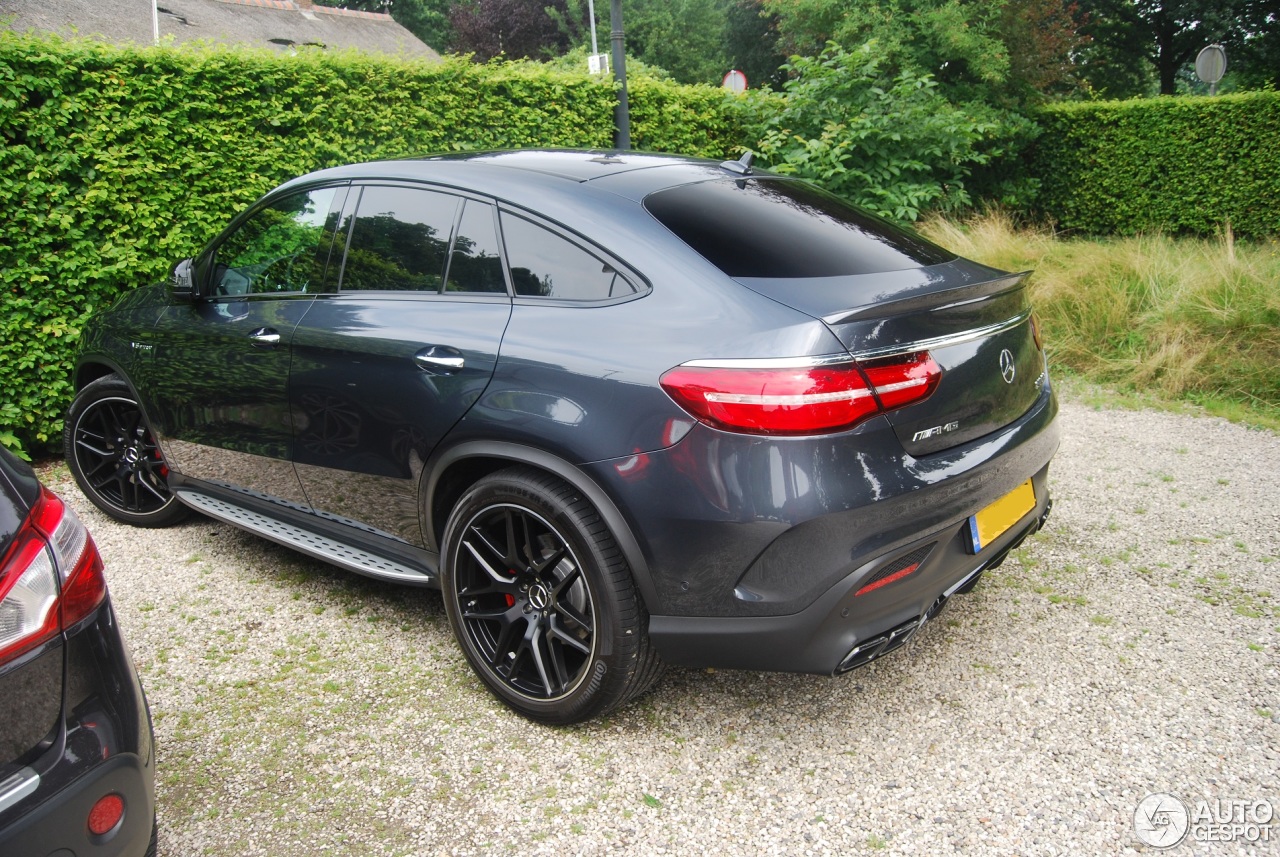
(993, 521)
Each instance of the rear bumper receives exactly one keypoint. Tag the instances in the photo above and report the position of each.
(843, 629)
(104, 746)
(59, 825)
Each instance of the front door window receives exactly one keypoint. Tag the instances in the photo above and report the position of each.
(281, 248)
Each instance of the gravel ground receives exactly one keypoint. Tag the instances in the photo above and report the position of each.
(1132, 648)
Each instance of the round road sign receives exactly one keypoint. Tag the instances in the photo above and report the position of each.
(735, 81)
(1211, 64)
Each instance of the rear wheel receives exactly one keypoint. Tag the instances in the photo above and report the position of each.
(114, 457)
(542, 601)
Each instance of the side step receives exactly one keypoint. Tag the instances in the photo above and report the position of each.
(313, 544)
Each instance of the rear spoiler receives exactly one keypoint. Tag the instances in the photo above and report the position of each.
(840, 300)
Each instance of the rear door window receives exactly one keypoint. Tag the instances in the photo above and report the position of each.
(476, 263)
(399, 240)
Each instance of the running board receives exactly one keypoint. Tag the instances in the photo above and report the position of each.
(313, 544)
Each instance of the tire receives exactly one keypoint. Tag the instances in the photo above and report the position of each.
(542, 601)
(114, 458)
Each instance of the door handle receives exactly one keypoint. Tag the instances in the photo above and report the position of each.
(440, 359)
(265, 337)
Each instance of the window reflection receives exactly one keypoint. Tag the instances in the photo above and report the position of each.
(399, 240)
(281, 248)
(544, 264)
(476, 265)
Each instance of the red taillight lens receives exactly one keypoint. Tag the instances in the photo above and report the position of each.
(901, 381)
(32, 594)
(28, 596)
(1036, 335)
(804, 400)
(106, 814)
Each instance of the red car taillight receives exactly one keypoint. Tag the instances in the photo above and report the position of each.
(759, 399)
(36, 601)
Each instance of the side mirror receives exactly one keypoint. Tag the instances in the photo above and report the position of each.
(182, 284)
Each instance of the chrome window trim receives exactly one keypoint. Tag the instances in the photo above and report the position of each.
(864, 355)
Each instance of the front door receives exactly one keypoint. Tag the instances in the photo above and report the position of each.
(219, 367)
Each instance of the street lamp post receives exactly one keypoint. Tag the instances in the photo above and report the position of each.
(621, 112)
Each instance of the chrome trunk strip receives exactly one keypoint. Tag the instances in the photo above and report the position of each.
(943, 341)
(863, 355)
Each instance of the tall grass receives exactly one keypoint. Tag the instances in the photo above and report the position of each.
(1186, 319)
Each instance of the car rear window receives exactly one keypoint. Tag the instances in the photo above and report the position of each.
(778, 228)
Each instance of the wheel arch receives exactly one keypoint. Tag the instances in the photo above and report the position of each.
(88, 371)
(461, 466)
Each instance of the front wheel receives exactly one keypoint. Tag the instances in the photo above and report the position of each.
(542, 601)
(114, 456)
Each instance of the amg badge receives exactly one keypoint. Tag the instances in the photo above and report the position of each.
(925, 434)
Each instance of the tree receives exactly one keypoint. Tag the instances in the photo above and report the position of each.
(512, 28)
(887, 141)
(686, 37)
(955, 41)
(695, 41)
(968, 46)
(1255, 62)
(751, 43)
(1164, 36)
(1043, 38)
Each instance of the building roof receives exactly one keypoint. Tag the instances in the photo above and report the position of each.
(280, 24)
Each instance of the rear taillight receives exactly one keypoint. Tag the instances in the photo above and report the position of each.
(50, 579)
(756, 398)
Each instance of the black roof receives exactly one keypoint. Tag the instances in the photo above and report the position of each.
(527, 174)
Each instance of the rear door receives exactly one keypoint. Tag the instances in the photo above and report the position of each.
(386, 366)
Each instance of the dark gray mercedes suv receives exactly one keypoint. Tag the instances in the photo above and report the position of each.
(623, 409)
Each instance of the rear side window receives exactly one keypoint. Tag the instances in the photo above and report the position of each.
(545, 264)
(399, 240)
(786, 229)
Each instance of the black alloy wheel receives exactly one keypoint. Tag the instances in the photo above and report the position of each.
(524, 605)
(541, 601)
(114, 457)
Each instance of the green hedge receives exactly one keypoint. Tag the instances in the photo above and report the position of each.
(1181, 165)
(116, 162)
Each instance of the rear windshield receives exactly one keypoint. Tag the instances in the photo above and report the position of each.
(779, 228)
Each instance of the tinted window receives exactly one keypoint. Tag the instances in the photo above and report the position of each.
(476, 265)
(771, 228)
(544, 264)
(281, 248)
(399, 240)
